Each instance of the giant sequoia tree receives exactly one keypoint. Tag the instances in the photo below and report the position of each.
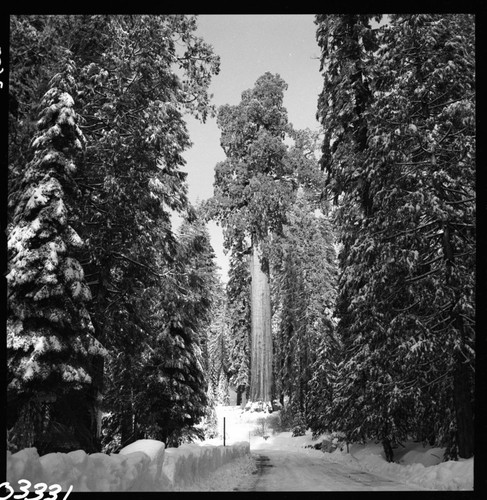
(250, 193)
(398, 113)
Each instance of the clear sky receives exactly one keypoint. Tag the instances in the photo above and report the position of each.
(248, 46)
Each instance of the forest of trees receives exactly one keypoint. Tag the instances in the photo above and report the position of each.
(351, 290)
(96, 136)
(398, 114)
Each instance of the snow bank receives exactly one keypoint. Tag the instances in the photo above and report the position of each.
(233, 476)
(414, 464)
(190, 463)
(142, 466)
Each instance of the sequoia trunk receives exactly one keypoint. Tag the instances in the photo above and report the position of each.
(261, 358)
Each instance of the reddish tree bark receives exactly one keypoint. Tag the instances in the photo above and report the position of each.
(261, 357)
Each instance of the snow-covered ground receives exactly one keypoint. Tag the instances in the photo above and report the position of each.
(277, 462)
(416, 466)
(229, 477)
(145, 465)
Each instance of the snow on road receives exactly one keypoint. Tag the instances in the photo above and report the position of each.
(281, 462)
(286, 470)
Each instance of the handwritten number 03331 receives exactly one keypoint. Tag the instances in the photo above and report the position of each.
(39, 488)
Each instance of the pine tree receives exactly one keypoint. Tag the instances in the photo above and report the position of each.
(134, 108)
(238, 296)
(217, 352)
(130, 103)
(35, 55)
(175, 398)
(430, 144)
(401, 206)
(50, 340)
(304, 273)
(343, 103)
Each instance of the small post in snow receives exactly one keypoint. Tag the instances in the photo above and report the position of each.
(223, 431)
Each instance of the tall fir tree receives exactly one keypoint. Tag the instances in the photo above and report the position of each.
(130, 101)
(168, 386)
(135, 104)
(402, 290)
(178, 378)
(304, 273)
(423, 129)
(50, 343)
(218, 348)
(238, 297)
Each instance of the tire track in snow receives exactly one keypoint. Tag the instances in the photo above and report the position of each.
(285, 470)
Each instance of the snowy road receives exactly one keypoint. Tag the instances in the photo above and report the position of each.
(286, 470)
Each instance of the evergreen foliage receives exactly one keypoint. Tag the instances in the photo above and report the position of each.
(110, 310)
(132, 78)
(250, 187)
(398, 113)
(176, 397)
(304, 272)
(238, 297)
(250, 192)
(50, 343)
(218, 349)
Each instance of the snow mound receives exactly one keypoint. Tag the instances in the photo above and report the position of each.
(155, 450)
(145, 465)
(230, 477)
(151, 447)
(190, 463)
(414, 464)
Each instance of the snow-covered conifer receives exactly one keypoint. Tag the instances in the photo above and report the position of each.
(49, 331)
(399, 152)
